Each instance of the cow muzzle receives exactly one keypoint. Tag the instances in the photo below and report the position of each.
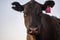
(33, 31)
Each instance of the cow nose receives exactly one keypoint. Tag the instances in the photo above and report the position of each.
(33, 30)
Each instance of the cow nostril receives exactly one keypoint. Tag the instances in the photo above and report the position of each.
(29, 29)
(36, 30)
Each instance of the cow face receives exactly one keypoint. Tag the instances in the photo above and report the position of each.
(32, 17)
(32, 22)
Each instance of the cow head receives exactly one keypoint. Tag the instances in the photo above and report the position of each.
(32, 18)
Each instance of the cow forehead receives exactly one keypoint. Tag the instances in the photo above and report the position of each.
(32, 8)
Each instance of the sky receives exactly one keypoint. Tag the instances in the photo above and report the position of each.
(12, 22)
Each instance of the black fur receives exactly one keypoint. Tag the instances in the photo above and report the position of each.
(49, 3)
(18, 7)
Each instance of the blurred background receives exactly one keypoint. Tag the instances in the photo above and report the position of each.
(12, 22)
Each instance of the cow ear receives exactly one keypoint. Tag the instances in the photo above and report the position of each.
(18, 7)
(49, 3)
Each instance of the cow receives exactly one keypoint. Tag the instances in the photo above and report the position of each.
(39, 26)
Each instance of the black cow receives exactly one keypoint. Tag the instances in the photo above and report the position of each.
(39, 26)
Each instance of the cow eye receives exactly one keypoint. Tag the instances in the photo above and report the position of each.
(25, 14)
